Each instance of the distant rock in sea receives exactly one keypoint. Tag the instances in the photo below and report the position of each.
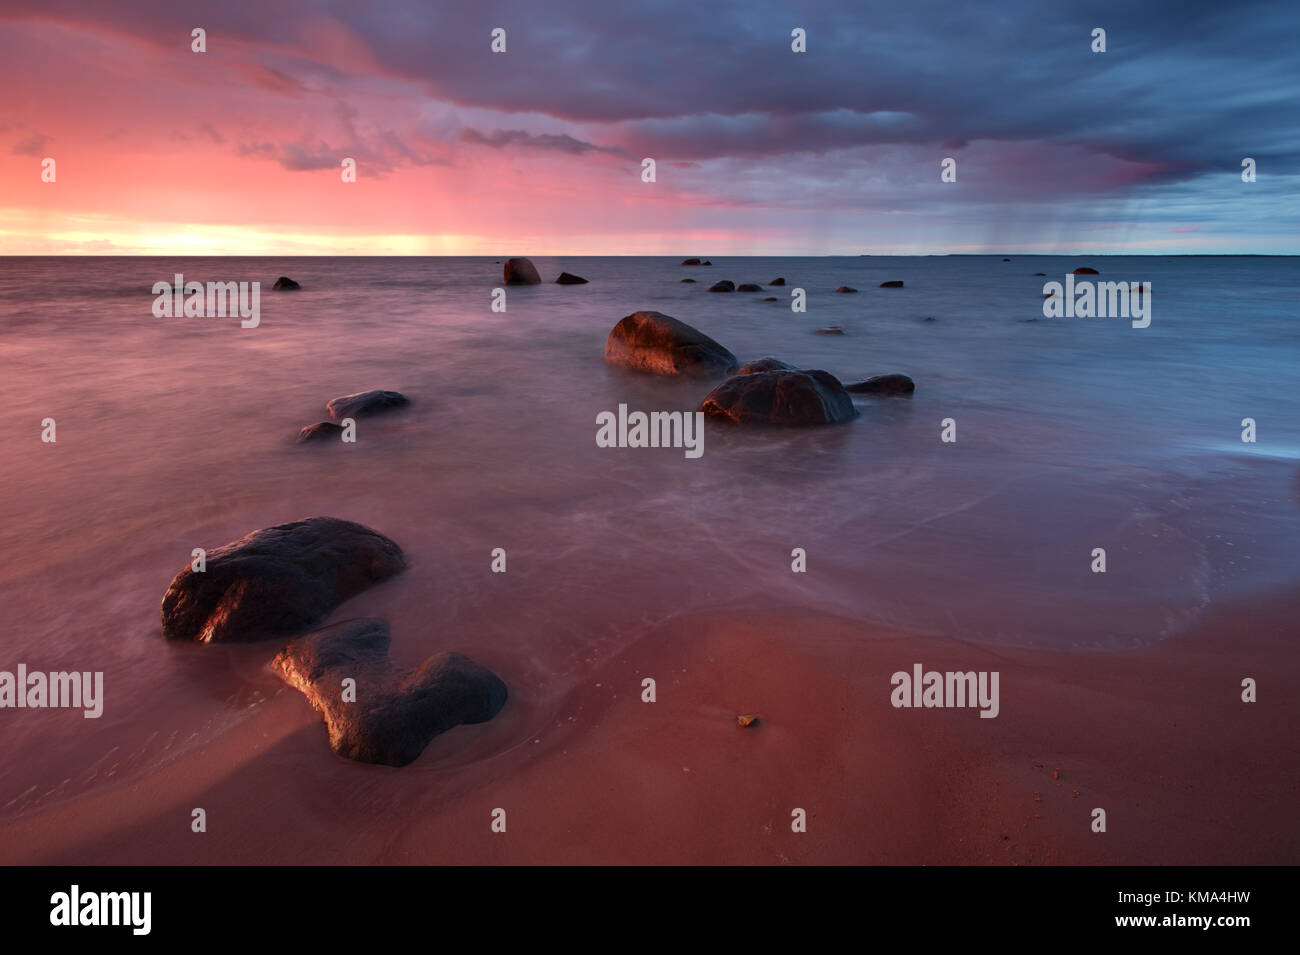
(1084, 270)
(1041, 273)
(365, 403)
(749, 287)
(1006, 260)
(285, 284)
(706, 262)
(567, 278)
(723, 286)
(777, 282)
(688, 280)
(660, 344)
(829, 330)
(277, 582)
(771, 298)
(765, 364)
(321, 431)
(690, 261)
(846, 289)
(780, 398)
(894, 284)
(396, 711)
(521, 272)
(883, 385)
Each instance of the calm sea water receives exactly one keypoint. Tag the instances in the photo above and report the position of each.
(1072, 434)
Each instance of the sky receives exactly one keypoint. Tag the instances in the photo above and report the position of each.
(757, 149)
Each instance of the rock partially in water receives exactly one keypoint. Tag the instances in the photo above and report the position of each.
(394, 712)
(1084, 270)
(521, 272)
(688, 280)
(365, 403)
(846, 290)
(660, 344)
(749, 287)
(896, 283)
(765, 364)
(783, 398)
(883, 385)
(567, 278)
(285, 284)
(690, 261)
(777, 282)
(278, 581)
(723, 286)
(321, 431)
(829, 330)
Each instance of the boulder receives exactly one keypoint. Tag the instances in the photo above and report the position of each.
(780, 398)
(521, 272)
(748, 287)
(777, 282)
(277, 582)
(706, 262)
(1084, 270)
(1044, 274)
(846, 289)
(894, 284)
(690, 261)
(688, 280)
(660, 344)
(321, 431)
(567, 278)
(285, 284)
(365, 403)
(765, 364)
(723, 286)
(397, 711)
(883, 385)
(771, 298)
(1006, 260)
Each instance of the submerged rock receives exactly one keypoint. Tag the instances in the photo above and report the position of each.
(321, 431)
(1084, 270)
(365, 403)
(690, 261)
(688, 280)
(723, 286)
(278, 581)
(746, 720)
(396, 711)
(771, 298)
(780, 398)
(567, 278)
(846, 289)
(883, 385)
(521, 272)
(777, 282)
(829, 330)
(765, 364)
(285, 284)
(896, 283)
(749, 287)
(660, 344)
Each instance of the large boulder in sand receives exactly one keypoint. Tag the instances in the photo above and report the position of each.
(365, 403)
(765, 364)
(660, 344)
(780, 398)
(277, 582)
(521, 272)
(285, 284)
(883, 385)
(396, 711)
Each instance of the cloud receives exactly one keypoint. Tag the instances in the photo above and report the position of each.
(33, 145)
(552, 142)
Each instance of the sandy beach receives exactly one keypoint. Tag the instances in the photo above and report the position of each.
(1159, 737)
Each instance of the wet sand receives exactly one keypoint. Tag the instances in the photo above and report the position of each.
(1158, 737)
